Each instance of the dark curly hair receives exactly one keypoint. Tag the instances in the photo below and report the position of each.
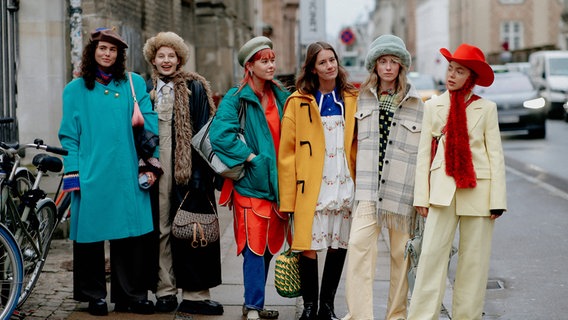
(89, 65)
(308, 81)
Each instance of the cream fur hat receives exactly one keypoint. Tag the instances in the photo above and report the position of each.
(166, 39)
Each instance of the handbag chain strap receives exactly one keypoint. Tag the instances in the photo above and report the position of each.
(210, 202)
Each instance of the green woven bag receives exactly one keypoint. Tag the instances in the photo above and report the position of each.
(287, 274)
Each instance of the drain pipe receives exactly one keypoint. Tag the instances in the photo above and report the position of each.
(76, 35)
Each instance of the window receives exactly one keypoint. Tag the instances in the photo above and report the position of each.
(511, 1)
(512, 34)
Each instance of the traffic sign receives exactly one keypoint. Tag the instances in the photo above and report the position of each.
(347, 36)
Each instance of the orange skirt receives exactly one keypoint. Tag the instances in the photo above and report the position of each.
(256, 222)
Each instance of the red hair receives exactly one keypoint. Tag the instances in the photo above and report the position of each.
(247, 79)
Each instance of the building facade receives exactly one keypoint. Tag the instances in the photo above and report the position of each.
(48, 37)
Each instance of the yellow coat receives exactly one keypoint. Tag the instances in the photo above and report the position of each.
(301, 158)
(434, 187)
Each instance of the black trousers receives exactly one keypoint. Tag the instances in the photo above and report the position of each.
(129, 261)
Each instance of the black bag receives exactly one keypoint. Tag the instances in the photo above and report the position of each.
(145, 141)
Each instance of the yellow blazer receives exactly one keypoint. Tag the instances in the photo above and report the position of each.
(434, 187)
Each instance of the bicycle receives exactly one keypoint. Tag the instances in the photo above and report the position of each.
(28, 219)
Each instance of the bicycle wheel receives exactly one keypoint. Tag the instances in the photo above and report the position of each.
(11, 273)
(23, 181)
(36, 246)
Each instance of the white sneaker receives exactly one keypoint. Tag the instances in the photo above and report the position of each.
(252, 315)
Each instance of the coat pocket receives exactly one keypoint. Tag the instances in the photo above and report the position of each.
(408, 138)
(363, 123)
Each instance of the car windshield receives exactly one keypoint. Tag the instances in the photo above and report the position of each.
(422, 82)
(507, 83)
(559, 66)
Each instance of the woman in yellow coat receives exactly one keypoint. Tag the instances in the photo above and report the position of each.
(316, 172)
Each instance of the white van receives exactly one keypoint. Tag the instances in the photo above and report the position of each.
(549, 73)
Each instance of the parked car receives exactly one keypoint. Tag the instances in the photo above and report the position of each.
(523, 67)
(425, 84)
(549, 73)
(510, 91)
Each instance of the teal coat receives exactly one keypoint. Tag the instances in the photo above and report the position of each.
(96, 129)
(261, 174)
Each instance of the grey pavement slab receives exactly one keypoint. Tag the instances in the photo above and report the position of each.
(52, 297)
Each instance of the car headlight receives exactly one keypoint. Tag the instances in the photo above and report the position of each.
(534, 103)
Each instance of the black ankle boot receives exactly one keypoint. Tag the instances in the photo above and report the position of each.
(310, 311)
(333, 267)
(309, 285)
(326, 311)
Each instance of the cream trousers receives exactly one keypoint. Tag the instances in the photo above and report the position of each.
(475, 236)
(361, 263)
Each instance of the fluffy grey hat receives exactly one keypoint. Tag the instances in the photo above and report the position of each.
(253, 46)
(166, 39)
(387, 44)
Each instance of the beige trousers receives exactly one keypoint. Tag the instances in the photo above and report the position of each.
(475, 236)
(166, 279)
(361, 263)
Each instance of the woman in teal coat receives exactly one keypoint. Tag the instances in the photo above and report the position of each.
(259, 227)
(102, 172)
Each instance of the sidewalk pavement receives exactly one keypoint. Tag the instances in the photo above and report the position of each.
(52, 297)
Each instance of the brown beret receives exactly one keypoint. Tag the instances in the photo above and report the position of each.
(108, 35)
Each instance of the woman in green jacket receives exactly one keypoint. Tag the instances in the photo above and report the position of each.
(259, 227)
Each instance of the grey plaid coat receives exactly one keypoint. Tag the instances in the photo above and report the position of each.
(393, 194)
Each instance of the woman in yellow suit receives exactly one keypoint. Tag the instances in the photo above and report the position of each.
(464, 184)
(316, 172)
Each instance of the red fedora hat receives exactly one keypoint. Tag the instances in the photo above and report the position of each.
(472, 58)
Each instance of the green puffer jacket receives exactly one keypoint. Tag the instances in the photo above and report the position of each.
(261, 174)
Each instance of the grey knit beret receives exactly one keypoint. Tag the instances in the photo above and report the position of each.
(253, 46)
(384, 45)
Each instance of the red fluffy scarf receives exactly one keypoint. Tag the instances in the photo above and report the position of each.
(459, 163)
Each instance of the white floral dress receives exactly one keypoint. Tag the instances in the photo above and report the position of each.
(332, 219)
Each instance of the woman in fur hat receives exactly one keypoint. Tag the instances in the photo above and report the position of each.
(389, 117)
(259, 227)
(102, 172)
(184, 103)
(462, 183)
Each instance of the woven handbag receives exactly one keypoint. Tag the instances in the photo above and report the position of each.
(287, 273)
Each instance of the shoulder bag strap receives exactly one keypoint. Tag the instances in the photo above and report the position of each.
(137, 118)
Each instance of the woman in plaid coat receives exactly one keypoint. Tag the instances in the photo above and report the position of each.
(389, 117)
